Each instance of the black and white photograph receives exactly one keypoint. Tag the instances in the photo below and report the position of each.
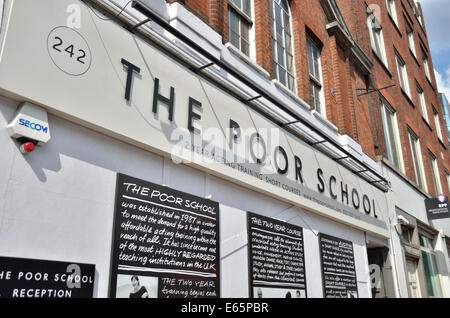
(270, 292)
(133, 286)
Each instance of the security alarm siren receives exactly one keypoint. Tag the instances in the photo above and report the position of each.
(30, 127)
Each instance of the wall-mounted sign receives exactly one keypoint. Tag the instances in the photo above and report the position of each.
(31, 278)
(152, 101)
(437, 208)
(276, 258)
(338, 267)
(166, 243)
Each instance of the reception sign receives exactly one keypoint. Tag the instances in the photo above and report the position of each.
(108, 79)
(31, 278)
(166, 243)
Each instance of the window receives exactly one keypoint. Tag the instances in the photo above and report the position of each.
(437, 123)
(315, 75)
(417, 13)
(402, 74)
(391, 135)
(435, 174)
(283, 60)
(406, 234)
(430, 267)
(410, 34)
(426, 66)
(376, 38)
(417, 160)
(392, 11)
(239, 24)
(422, 103)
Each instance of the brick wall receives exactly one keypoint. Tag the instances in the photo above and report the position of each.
(408, 110)
(359, 118)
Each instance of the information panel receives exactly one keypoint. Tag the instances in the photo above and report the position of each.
(438, 208)
(338, 267)
(166, 243)
(32, 278)
(276, 258)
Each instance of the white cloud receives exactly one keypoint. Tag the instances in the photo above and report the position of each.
(443, 82)
(436, 14)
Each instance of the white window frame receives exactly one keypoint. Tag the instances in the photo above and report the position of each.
(426, 66)
(437, 124)
(410, 35)
(435, 173)
(395, 144)
(392, 10)
(422, 103)
(243, 18)
(418, 166)
(316, 79)
(402, 74)
(377, 38)
(286, 53)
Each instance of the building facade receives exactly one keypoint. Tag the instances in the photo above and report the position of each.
(238, 148)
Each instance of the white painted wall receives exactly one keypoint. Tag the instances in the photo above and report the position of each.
(408, 199)
(58, 204)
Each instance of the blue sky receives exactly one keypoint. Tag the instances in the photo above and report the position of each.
(437, 21)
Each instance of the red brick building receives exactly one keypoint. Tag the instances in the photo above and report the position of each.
(349, 61)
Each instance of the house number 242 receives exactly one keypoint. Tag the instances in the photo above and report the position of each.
(70, 50)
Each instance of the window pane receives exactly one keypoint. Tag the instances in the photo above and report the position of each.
(280, 55)
(279, 31)
(234, 21)
(432, 160)
(291, 82)
(288, 43)
(289, 63)
(282, 74)
(286, 21)
(245, 30)
(391, 144)
(238, 3)
(246, 7)
(316, 69)
(317, 97)
(310, 60)
(234, 39)
(278, 14)
(245, 47)
(415, 158)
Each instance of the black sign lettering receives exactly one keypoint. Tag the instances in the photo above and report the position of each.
(30, 278)
(338, 267)
(276, 258)
(437, 208)
(166, 243)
